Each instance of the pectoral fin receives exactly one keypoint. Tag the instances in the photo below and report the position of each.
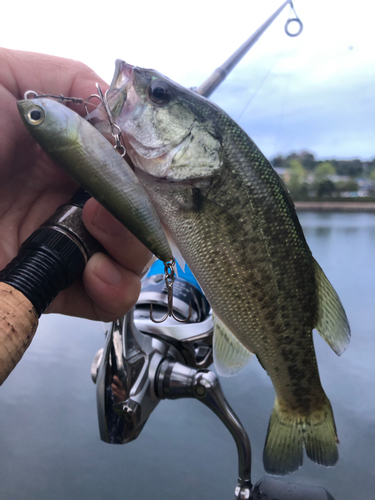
(230, 355)
(331, 321)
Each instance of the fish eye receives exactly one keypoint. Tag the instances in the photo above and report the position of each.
(160, 92)
(35, 116)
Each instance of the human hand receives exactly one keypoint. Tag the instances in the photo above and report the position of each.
(118, 389)
(32, 187)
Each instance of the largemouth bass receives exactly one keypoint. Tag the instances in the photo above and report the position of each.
(90, 160)
(233, 222)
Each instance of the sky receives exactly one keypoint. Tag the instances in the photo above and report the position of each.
(314, 92)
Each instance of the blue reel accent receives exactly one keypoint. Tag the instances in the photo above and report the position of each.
(158, 268)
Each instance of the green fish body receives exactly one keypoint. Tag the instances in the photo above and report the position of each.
(91, 160)
(231, 219)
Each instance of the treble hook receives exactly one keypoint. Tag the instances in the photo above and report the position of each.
(169, 279)
(115, 129)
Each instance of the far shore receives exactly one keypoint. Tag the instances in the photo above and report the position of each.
(335, 206)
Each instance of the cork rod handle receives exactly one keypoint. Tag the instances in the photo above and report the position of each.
(18, 323)
(49, 261)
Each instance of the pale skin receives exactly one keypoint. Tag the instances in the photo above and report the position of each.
(32, 187)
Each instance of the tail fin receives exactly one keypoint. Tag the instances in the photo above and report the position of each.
(287, 433)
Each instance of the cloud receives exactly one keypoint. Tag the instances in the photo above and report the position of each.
(311, 92)
(326, 107)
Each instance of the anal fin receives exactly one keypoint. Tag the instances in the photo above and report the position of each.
(230, 356)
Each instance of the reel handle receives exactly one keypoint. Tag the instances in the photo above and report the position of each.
(49, 261)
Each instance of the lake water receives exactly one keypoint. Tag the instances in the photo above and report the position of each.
(49, 442)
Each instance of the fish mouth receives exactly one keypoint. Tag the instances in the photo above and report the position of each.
(123, 73)
(154, 157)
(118, 90)
(116, 98)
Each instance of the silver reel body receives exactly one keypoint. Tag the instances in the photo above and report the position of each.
(143, 362)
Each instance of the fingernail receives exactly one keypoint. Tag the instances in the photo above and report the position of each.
(108, 271)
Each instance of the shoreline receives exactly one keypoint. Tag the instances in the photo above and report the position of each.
(335, 206)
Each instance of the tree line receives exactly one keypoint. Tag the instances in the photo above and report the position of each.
(305, 176)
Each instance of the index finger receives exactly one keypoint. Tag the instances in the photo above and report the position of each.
(123, 247)
(21, 71)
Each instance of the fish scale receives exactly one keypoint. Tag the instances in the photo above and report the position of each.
(234, 223)
(256, 311)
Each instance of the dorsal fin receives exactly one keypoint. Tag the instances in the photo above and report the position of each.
(331, 321)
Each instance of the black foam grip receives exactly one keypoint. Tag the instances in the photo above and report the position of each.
(48, 261)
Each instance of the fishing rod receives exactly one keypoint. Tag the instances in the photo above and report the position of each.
(220, 73)
(55, 255)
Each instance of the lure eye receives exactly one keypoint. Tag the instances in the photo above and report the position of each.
(160, 92)
(35, 116)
